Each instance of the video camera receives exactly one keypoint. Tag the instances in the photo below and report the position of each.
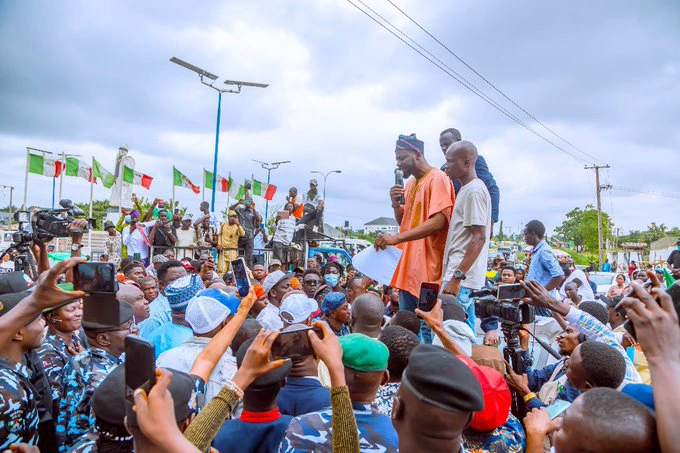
(503, 303)
(46, 224)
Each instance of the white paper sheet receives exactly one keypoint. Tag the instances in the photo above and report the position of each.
(378, 265)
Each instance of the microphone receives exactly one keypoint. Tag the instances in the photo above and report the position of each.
(399, 181)
(545, 345)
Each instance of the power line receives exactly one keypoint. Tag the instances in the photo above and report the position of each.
(649, 192)
(473, 89)
(492, 85)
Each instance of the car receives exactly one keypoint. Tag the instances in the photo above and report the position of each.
(326, 252)
(605, 280)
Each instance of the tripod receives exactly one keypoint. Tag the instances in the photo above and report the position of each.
(23, 261)
(514, 355)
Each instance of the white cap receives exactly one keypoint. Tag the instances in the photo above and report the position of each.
(461, 334)
(297, 308)
(272, 280)
(205, 313)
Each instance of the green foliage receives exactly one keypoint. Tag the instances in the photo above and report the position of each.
(583, 258)
(501, 236)
(581, 228)
(101, 207)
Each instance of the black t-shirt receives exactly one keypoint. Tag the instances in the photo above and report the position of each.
(161, 237)
(674, 259)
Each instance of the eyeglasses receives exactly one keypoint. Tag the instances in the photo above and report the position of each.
(311, 282)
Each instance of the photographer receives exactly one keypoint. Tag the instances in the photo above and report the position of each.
(585, 323)
(163, 234)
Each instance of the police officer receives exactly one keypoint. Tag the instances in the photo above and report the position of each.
(83, 374)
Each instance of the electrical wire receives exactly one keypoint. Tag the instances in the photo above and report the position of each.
(649, 192)
(470, 87)
(492, 85)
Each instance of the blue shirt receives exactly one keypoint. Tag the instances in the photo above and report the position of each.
(159, 315)
(544, 266)
(485, 175)
(606, 267)
(244, 437)
(302, 395)
(169, 336)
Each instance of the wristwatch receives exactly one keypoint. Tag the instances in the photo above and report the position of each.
(76, 247)
(459, 275)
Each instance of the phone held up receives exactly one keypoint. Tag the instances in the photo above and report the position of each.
(241, 276)
(513, 291)
(428, 296)
(95, 278)
(294, 343)
(140, 366)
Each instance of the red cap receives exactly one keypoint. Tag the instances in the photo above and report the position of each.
(259, 290)
(188, 266)
(497, 398)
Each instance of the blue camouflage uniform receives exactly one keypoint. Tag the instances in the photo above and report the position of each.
(80, 377)
(19, 416)
(54, 356)
(509, 438)
(312, 432)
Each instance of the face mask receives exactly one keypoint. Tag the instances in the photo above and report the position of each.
(128, 219)
(332, 279)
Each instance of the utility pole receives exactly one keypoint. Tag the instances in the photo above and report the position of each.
(9, 220)
(599, 208)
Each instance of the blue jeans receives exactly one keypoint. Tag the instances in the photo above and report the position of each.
(409, 302)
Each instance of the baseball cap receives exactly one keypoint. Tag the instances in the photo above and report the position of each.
(461, 334)
(103, 311)
(273, 279)
(275, 262)
(314, 181)
(205, 313)
(296, 307)
(363, 353)
(229, 300)
(497, 398)
(14, 282)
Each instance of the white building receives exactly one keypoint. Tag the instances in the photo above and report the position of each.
(382, 225)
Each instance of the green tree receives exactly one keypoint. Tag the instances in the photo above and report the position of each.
(655, 232)
(101, 207)
(580, 226)
(501, 236)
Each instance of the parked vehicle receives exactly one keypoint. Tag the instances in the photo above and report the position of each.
(605, 280)
(327, 252)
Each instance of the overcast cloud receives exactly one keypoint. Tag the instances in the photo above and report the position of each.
(85, 77)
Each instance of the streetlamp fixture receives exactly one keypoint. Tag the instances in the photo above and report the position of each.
(269, 166)
(203, 75)
(325, 175)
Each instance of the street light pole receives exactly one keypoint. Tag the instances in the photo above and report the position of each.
(203, 74)
(325, 176)
(11, 189)
(269, 166)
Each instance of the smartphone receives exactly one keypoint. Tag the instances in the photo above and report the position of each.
(428, 296)
(95, 277)
(673, 291)
(283, 214)
(513, 291)
(137, 257)
(241, 276)
(140, 366)
(294, 343)
(399, 181)
(557, 408)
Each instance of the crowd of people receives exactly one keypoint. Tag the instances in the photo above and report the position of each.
(381, 373)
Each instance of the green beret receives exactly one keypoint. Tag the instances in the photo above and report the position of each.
(362, 353)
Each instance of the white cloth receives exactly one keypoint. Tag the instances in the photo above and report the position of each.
(269, 318)
(182, 358)
(135, 242)
(285, 229)
(460, 333)
(472, 208)
(585, 291)
(184, 239)
(258, 243)
(306, 199)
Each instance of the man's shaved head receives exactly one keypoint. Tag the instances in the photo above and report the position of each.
(460, 160)
(367, 315)
(464, 149)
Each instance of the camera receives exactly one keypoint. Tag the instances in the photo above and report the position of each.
(46, 224)
(509, 311)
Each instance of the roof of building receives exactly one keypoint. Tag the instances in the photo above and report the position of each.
(382, 221)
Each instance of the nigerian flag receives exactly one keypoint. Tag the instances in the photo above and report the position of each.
(236, 190)
(100, 172)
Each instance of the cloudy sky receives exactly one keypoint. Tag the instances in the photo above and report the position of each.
(85, 77)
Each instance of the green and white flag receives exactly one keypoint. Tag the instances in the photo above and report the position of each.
(262, 189)
(236, 190)
(108, 179)
(180, 180)
(40, 164)
(134, 177)
(78, 168)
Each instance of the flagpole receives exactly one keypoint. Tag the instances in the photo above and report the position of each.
(89, 231)
(61, 173)
(203, 188)
(26, 178)
(229, 193)
(54, 185)
(173, 189)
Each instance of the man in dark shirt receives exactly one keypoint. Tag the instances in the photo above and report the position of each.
(674, 257)
(449, 136)
(250, 220)
(261, 426)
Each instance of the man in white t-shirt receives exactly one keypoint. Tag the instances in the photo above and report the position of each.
(467, 244)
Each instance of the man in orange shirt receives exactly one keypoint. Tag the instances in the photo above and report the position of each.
(423, 219)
